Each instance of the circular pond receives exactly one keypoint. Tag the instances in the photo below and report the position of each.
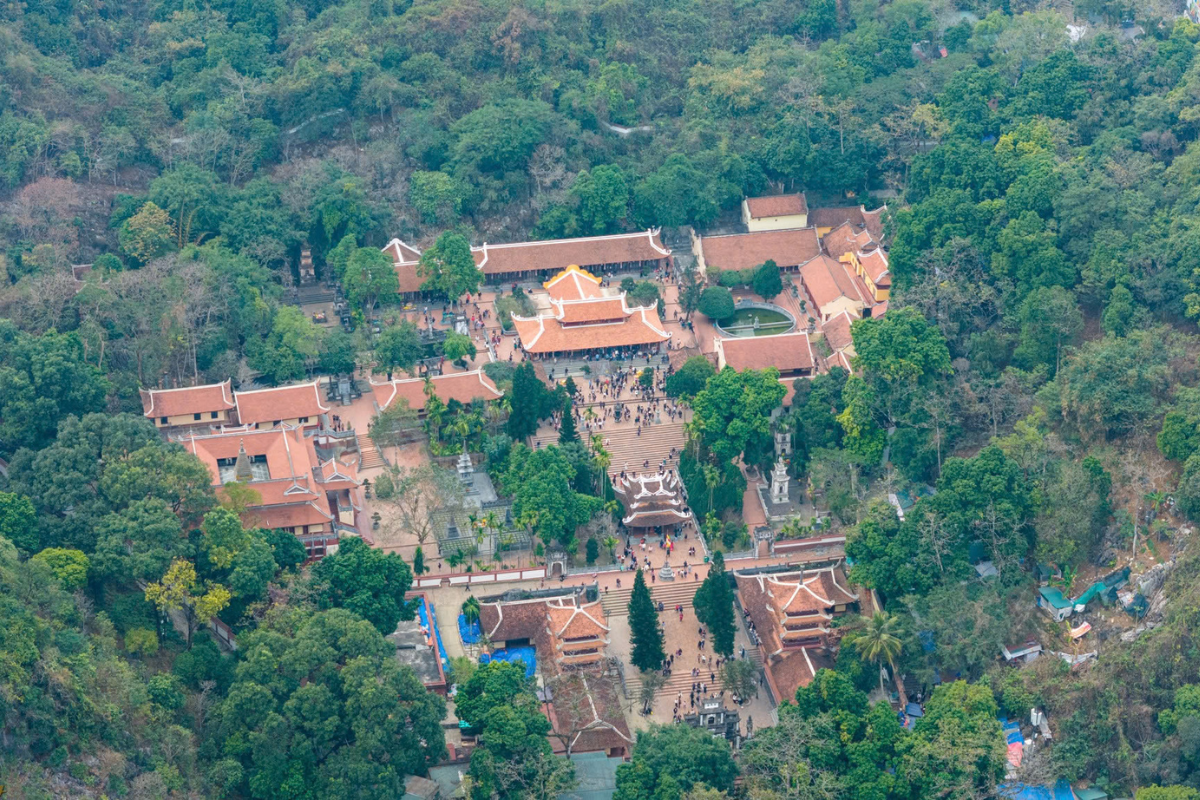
(757, 319)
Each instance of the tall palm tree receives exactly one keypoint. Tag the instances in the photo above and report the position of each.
(880, 642)
(601, 460)
(470, 609)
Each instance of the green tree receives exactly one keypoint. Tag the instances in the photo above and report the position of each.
(529, 402)
(370, 279)
(567, 433)
(714, 606)
(458, 347)
(603, 198)
(418, 566)
(543, 497)
(367, 581)
(398, 348)
(1167, 793)
(767, 282)
(669, 760)
(716, 303)
(732, 415)
(436, 196)
(69, 566)
(180, 591)
(147, 235)
(448, 268)
(1050, 322)
(377, 723)
(18, 521)
(690, 378)
(139, 542)
(880, 642)
(500, 137)
(644, 630)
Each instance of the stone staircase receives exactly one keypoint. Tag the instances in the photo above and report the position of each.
(369, 456)
(627, 448)
(670, 594)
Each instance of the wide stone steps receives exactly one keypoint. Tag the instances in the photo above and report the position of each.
(627, 449)
(369, 456)
(670, 594)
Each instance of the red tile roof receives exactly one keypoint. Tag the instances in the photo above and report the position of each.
(783, 205)
(875, 265)
(557, 254)
(569, 621)
(284, 402)
(788, 248)
(547, 334)
(858, 215)
(827, 280)
(405, 259)
(190, 400)
(461, 386)
(787, 352)
(573, 283)
(292, 516)
(600, 309)
(837, 332)
(846, 238)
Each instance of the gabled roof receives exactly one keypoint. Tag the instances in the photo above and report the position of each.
(875, 264)
(787, 352)
(846, 238)
(573, 283)
(557, 254)
(837, 332)
(787, 248)
(827, 281)
(783, 205)
(461, 386)
(158, 403)
(284, 402)
(405, 258)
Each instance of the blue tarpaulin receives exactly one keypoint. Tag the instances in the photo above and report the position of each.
(1062, 790)
(470, 633)
(1021, 791)
(913, 710)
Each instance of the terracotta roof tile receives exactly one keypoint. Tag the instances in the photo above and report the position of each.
(875, 264)
(787, 248)
(783, 205)
(827, 280)
(545, 334)
(464, 387)
(846, 238)
(787, 352)
(284, 402)
(557, 254)
(405, 259)
(292, 516)
(573, 283)
(796, 669)
(518, 620)
(832, 217)
(190, 400)
(837, 332)
(601, 309)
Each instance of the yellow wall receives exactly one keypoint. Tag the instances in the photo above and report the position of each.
(781, 223)
(183, 420)
(843, 303)
(293, 422)
(880, 295)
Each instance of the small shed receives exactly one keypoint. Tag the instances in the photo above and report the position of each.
(1025, 652)
(1050, 600)
(1091, 794)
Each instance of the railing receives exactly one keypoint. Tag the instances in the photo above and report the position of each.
(223, 633)
(474, 578)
